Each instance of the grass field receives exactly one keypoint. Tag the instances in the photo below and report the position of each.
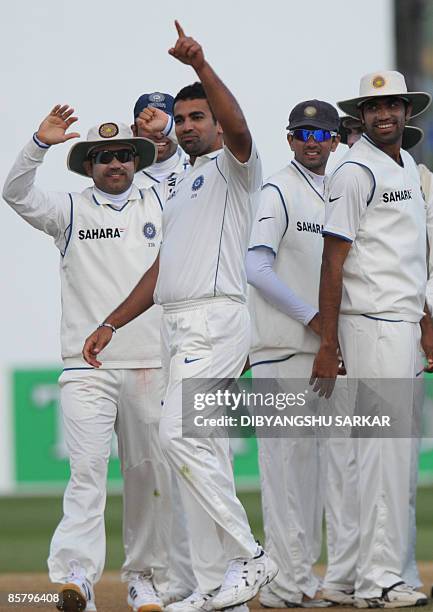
(27, 524)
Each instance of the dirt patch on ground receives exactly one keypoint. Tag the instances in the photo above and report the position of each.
(111, 593)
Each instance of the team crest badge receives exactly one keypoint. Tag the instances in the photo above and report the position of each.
(378, 82)
(156, 97)
(310, 111)
(149, 230)
(198, 183)
(108, 130)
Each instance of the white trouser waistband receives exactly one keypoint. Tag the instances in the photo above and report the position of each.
(193, 304)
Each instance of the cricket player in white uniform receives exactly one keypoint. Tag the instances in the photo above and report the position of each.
(200, 280)
(171, 161)
(105, 235)
(283, 265)
(351, 130)
(372, 301)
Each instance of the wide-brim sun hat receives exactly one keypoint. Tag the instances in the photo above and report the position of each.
(412, 135)
(381, 84)
(107, 133)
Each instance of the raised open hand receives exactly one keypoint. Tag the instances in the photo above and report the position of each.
(53, 128)
(187, 50)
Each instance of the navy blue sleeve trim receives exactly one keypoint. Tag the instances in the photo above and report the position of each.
(326, 233)
(83, 368)
(262, 246)
(366, 168)
(221, 238)
(40, 144)
(157, 197)
(252, 365)
(218, 168)
(71, 222)
(419, 373)
(282, 202)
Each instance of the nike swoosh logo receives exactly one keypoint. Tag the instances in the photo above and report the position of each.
(263, 218)
(333, 199)
(191, 360)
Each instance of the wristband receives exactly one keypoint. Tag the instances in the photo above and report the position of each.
(113, 329)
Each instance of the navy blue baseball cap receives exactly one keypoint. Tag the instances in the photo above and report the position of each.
(156, 99)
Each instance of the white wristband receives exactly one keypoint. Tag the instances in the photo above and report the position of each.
(113, 329)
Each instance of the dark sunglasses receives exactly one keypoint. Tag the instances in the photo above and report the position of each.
(106, 157)
(318, 135)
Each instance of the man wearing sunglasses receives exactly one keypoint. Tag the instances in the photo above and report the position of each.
(283, 267)
(372, 303)
(105, 235)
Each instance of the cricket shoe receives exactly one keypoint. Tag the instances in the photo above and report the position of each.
(243, 579)
(268, 599)
(340, 597)
(399, 595)
(142, 596)
(77, 594)
(195, 602)
(169, 597)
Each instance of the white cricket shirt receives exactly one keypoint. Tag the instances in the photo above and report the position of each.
(163, 175)
(289, 222)
(104, 253)
(206, 226)
(378, 205)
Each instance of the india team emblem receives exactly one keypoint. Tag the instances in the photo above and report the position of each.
(149, 230)
(198, 183)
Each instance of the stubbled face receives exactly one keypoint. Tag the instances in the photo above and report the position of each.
(165, 147)
(196, 129)
(384, 119)
(113, 177)
(311, 154)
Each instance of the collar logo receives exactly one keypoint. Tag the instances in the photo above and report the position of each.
(108, 130)
(378, 82)
(198, 183)
(310, 111)
(149, 230)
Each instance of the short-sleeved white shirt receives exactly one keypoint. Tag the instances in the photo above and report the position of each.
(206, 226)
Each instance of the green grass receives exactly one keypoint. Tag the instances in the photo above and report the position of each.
(27, 524)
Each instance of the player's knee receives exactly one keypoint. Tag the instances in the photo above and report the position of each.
(89, 469)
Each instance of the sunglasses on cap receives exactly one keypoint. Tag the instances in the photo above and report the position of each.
(105, 157)
(318, 135)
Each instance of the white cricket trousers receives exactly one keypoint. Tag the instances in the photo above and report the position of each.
(94, 404)
(299, 478)
(205, 339)
(375, 349)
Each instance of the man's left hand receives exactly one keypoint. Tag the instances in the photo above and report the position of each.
(153, 121)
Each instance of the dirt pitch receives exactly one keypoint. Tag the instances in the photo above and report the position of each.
(111, 594)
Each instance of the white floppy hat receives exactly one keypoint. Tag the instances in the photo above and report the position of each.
(385, 83)
(108, 133)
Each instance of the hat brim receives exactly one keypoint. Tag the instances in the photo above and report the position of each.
(78, 154)
(312, 123)
(420, 102)
(412, 136)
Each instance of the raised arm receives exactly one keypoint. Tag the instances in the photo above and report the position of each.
(227, 111)
(138, 301)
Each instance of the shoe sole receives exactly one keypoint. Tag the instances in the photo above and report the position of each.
(252, 593)
(71, 599)
(146, 608)
(392, 604)
(318, 603)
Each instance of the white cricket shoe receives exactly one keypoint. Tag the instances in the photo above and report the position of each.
(268, 599)
(243, 579)
(76, 595)
(195, 602)
(399, 595)
(169, 597)
(142, 596)
(341, 597)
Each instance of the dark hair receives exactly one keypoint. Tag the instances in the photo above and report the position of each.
(193, 92)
